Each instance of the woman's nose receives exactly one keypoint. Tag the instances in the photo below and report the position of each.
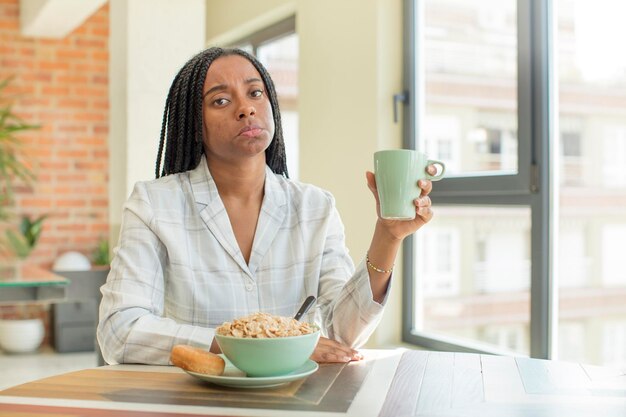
(246, 111)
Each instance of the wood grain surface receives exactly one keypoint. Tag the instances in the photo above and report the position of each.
(433, 384)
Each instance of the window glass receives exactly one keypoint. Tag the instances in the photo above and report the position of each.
(280, 57)
(592, 183)
(470, 75)
(475, 264)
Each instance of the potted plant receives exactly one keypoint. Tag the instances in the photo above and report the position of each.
(12, 166)
(23, 243)
(16, 335)
(101, 255)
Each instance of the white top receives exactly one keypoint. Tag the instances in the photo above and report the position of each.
(178, 272)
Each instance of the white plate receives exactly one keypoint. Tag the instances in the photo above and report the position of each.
(233, 377)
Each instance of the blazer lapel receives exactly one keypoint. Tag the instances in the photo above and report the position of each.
(271, 218)
(213, 212)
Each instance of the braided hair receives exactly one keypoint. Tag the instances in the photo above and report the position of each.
(181, 146)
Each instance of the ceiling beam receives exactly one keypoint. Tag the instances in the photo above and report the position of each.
(55, 18)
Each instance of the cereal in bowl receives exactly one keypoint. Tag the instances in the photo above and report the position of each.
(263, 325)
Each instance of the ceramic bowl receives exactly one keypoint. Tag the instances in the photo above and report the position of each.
(268, 357)
(20, 336)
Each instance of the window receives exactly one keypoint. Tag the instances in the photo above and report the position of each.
(592, 127)
(614, 344)
(470, 290)
(570, 142)
(528, 99)
(442, 263)
(470, 70)
(472, 100)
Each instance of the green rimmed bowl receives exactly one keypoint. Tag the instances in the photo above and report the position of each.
(268, 357)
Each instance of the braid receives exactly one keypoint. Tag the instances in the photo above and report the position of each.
(181, 145)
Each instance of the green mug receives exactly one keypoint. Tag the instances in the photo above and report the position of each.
(397, 173)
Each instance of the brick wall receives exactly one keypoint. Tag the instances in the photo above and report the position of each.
(61, 85)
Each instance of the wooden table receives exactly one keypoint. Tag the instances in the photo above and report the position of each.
(387, 383)
(31, 283)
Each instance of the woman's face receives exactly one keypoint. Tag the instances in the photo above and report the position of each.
(237, 114)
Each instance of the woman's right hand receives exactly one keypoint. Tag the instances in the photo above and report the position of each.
(328, 350)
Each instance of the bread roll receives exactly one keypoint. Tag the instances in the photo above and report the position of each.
(197, 360)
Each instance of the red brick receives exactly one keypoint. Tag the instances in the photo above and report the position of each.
(100, 79)
(71, 178)
(99, 227)
(36, 76)
(101, 56)
(72, 102)
(102, 31)
(71, 227)
(101, 129)
(71, 54)
(87, 165)
(36, 202)
(100, 202)
(101, 104)
(91, 67)
(71, 203)
(54, 65)
(72, 128)
(54, 166)
(91, 116)
(34, 101)
(91, 91)
(72, 79)
(97, 43)
(72, 153)
(100, 153)
(55, 91)
(29, 52)
(9, 25)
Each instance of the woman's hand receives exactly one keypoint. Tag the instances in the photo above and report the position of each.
(328, 350)
(399, 229)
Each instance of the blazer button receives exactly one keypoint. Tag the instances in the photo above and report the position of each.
(249, 287)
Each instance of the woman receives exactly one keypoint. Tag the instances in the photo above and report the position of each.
(224, 233)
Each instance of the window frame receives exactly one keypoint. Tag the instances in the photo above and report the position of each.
(275, 31)
(532, 186)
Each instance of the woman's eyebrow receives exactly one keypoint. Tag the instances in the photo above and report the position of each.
(221, 87)
(218, 87)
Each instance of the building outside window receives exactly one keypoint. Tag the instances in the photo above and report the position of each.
(504, 147)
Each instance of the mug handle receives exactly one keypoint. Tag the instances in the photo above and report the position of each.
(438, 176)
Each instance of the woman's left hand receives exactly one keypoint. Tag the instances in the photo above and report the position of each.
(328, 350)
(399, 229)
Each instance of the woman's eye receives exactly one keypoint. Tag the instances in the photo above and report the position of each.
(257, 93)
(220, 101)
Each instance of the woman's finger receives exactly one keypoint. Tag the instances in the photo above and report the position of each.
(371, 182)
(335, 346)
(431, 169)
(423, 201)
(426, 213)
(426, 186)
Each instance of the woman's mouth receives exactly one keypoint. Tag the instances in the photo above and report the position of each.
(251, 131)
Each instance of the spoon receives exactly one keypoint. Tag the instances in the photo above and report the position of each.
(305, 307)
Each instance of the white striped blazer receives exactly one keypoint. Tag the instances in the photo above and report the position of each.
(178, 272)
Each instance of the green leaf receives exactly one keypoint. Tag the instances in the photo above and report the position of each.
(20, 247)
(12, 166)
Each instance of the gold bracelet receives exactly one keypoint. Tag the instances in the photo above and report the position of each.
(373, 268)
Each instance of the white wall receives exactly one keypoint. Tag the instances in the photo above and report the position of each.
(150, 40)
(350, 66)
